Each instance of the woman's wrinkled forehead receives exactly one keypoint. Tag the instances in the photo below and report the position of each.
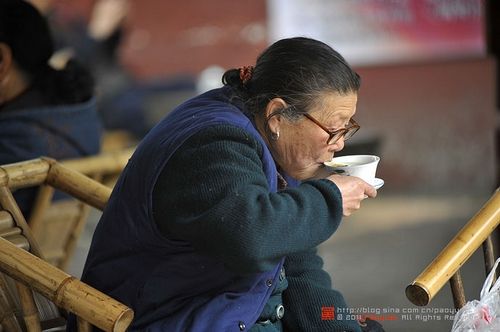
(335, 105)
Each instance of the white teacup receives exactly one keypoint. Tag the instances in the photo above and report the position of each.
(362, 166)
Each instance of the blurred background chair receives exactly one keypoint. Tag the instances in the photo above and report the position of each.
(37, 295)
(58, 224)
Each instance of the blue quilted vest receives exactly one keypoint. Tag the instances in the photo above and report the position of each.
(165, 281)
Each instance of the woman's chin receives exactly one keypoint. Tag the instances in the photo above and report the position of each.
(318, 171)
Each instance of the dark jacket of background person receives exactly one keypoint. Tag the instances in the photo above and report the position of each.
(60, 132)
(207, 263)
(53, 114)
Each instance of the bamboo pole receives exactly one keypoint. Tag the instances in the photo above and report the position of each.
(64, 290)
(33, 172)
(78, 185)
(489, 256)
(30, 312)
(19, 241)
(9, 204)
(455, 254)
(24, 174)
(9, 232)
(457, 290)
(6, 220)
(104, 163)
(40, 206)
(83, 325)
(8, 319)
(72, 241)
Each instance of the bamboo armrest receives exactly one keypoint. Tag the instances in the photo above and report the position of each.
(64, 290)
(78, 185)
(105, 163)
(48, 171)
(23, 174)
(423, 289)
(68, 175)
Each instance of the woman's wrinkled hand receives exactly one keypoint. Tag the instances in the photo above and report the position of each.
(353, 190)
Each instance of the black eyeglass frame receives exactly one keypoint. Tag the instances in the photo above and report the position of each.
(334, 135)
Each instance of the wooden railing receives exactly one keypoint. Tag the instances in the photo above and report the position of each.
(446, 266)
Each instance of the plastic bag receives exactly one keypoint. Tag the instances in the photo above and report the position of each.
(482, 315)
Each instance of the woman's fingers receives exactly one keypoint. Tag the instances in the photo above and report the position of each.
(353, 190)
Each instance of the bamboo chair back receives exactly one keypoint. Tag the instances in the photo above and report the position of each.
(446, 266)
(34, 294)
(57, 225)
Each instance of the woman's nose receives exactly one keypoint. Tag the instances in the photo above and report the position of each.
(339, 145)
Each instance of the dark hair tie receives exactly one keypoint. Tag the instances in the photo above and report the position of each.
(246, 74)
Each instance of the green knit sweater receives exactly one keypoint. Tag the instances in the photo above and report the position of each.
(213, 192)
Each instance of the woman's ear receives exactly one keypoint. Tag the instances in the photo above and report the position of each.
(273, 116)
(5, 60)
(274, 106)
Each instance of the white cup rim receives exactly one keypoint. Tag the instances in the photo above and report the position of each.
(369, 160)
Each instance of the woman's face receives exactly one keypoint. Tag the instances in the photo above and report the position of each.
(302, 148)
(12, 81)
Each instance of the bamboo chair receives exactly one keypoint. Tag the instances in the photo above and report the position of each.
(43, 293)
(117, 140)
(446, 266)
(57, 225)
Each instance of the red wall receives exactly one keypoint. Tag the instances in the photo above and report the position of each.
(175, 37)
(437, 123)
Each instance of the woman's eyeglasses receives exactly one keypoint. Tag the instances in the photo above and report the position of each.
(335, 135)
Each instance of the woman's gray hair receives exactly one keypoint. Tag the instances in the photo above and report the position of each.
(299, 70)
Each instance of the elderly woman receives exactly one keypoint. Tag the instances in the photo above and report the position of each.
(214, 222)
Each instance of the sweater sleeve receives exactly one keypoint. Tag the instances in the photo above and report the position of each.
(213, 193)
(309, 298)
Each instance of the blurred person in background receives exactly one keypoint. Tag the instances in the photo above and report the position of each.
(214, 223)
(95, 42)
(43, 111)
(125, 102)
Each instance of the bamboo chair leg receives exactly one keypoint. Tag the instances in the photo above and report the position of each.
(489, 255)
(8, 318)
(42, 202)
(83, 325)
(78, 229)
(73, 240)
(30, 311)
(457, 290)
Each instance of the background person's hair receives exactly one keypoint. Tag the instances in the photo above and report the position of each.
(298, 70)
(27, 33)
